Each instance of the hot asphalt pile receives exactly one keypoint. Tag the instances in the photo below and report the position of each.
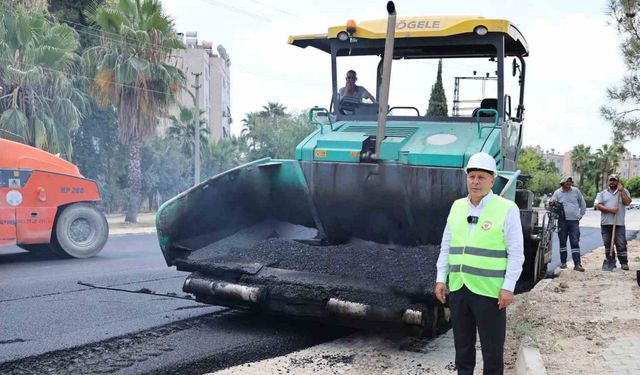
(407, 272)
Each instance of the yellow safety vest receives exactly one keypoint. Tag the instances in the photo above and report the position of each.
(478, 259)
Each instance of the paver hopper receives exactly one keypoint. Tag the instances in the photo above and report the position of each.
(349, 231)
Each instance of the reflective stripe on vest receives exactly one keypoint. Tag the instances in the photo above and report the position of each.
(478, 259)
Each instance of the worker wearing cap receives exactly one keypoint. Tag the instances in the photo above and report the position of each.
(481, 255)
(569, 225)
(611, 202)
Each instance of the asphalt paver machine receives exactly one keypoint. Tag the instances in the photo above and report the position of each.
(349, 231)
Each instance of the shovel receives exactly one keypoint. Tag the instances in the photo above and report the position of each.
(609, 265)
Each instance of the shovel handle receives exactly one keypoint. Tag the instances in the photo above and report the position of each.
(612, 250)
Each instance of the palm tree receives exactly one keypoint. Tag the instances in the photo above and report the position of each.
(610, 160)
(249, 122)
(40, 103)
(580, 155)
(223, 154)
(131, 75)
(593, 173)
(273, 110)
(617, 150)
(604, 156)
(182, 130)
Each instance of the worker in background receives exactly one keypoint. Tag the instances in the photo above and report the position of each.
(351, 91)
(482, 255)
(611, 202)
(569, 225)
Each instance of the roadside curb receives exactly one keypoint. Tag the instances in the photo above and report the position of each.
(529, 361)
(131, 231)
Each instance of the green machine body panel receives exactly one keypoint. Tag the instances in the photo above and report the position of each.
(428, 143)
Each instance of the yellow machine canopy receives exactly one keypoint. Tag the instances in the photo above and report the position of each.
(418, 37)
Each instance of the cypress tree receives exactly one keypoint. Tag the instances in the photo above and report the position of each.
(438, 99)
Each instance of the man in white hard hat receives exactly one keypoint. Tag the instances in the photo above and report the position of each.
(480, 261)
(569, 225)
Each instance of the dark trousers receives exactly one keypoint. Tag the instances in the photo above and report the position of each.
(469, 312)
(620, 242)
(569, 229)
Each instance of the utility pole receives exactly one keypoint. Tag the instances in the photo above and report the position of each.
(196, 173)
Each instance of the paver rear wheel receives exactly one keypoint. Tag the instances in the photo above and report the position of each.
(81, 231)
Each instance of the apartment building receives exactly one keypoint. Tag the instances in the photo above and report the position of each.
(214, 80)
(629, 166)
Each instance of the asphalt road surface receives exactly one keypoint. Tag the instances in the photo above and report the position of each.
(50, 324)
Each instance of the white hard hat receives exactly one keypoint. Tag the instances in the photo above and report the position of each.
(483, 161)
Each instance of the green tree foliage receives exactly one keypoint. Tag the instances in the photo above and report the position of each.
(544, 175)
(624, 113)
(580, 156)
(167, 170)
(594, 167)
(224, 154)
(101, 157)
(130, 74)
(593, 175)
(608, 157)
(40, 101)
(633, 185)
(273, 109)
(438, 99)
(74, 13)
(530, 161)
(273, 132)
(182, 131)
(544, 182)
(96, 150)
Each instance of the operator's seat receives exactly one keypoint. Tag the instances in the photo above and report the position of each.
(486, 103)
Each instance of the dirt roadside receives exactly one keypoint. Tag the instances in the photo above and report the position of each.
(583, 323)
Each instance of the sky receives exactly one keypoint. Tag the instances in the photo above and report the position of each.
(574, 58)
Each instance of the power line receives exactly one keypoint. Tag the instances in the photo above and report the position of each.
(277, 76)
(275, 8)
(69, 74)
(99, 32)
(122, 40)
(246, 69)
(236, 10)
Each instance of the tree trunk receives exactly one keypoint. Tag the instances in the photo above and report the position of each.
(134, 172)
(605, 174)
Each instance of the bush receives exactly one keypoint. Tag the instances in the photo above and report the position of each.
(589, 201)
(537, 201)
(633, 185)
